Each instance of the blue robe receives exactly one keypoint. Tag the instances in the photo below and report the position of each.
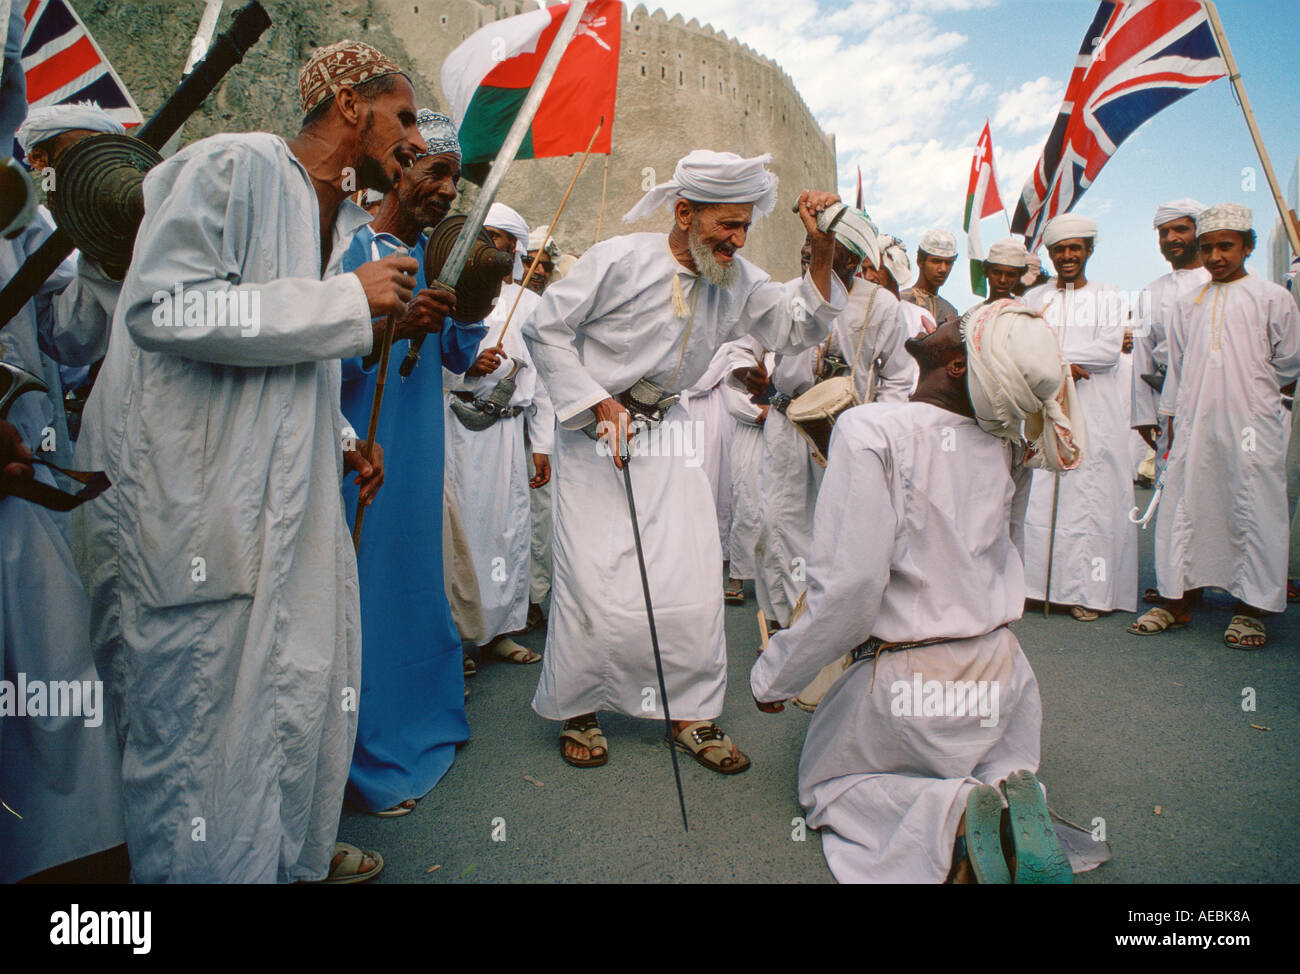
(411, 713)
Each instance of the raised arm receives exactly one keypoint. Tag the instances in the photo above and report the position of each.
(847, 574)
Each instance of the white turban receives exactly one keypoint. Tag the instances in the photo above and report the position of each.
(1009, 252)
(1017, 376)
(501, 217)
(538, 236)
(704, 176)
(46, 123)
(1223, 216)
(1067, 226)
(1168, 212)
(939, 243)
(853, 230)
(894, 256)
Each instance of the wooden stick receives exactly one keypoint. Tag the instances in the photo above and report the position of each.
(1051, 549)
(369, 450)
(500, 345)
(604, 184)
(1234, 76)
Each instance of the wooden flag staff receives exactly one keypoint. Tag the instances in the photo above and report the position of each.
(1234, 76)
(501, 339)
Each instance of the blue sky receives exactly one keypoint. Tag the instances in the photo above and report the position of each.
(905, 85)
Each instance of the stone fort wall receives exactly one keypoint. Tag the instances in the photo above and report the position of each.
(682, 85)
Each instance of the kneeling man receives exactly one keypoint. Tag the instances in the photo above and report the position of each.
(917, 574)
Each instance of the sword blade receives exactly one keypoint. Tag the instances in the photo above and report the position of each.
(654, 636)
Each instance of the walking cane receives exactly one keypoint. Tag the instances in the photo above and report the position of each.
(650, 614)
(1051, 548)
(375, 403)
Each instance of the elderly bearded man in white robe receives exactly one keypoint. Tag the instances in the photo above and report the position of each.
(1094, 555)
(655, 307)
(872, 328)
(222, 576)
(1234, 344)
(918, 575)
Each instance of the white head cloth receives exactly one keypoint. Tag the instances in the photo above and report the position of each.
(1017, 377)
(1168, 212)
(894, 256)
(939, 243)
(536, 237)
(703, 176)
(1009, 252)
(502, 217)
(1223, 216)
(1067, 226)
(854, 230)
(46, 123)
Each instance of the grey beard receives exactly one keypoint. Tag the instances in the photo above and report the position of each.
(708, 266)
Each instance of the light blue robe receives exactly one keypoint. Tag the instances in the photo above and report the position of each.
(412, 708)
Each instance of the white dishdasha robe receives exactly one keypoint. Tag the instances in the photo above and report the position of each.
(608, 323)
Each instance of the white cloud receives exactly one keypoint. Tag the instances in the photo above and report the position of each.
(1031, 108)
(890, 82)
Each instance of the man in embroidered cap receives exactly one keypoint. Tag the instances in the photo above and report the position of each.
(934, 259)
(222, 577)
(1094, 555)
(1175, 224)
(1004, 266)
(487, 470)
(1234, 347)
(412, 705)
(920, 592)
(638, 319)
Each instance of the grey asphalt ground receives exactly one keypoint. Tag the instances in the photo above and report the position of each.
(1147, 733)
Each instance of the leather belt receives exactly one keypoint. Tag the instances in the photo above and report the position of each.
(487, 406)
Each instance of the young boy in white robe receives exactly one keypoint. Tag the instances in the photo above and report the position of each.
(1091, 545)
(486, 469)
(655, 307)
(1234, 345)
(917, 574)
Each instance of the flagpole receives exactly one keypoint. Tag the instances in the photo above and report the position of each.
(1234, 76)
(604, 183)
(460, 250)
(550, 230)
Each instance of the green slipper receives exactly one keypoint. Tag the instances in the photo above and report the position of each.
(1039, 857)
(984, 837)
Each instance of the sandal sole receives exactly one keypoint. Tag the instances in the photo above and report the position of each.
(984, 836)
(1039, 857)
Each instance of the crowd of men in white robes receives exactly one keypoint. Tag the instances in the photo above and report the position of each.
(215, 591)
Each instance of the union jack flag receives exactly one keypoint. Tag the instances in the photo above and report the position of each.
(63, 63)
(1138, 57)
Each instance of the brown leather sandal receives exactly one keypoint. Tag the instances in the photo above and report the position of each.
(705, 741)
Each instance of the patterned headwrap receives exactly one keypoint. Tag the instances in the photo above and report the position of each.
(438, 131)
(345, 64)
